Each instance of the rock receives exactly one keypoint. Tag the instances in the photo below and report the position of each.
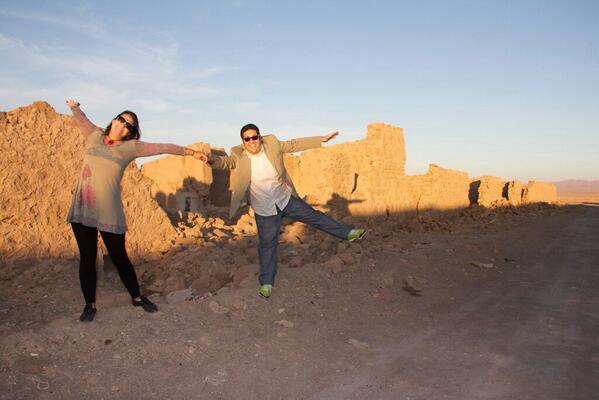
(482, 265)
(202, 283)
(291, 239)
(324, 245)
(295, 230)
(155, 298)
(217, 378)
(239, 304)
(358, 344)
(220, 278)
(308, 265)
(156, 286)
(179, 296)
(217, 308)
(245, 224)
(411, 285)
(247, 271)
(285, 323)
(251, 253)
(295, 262)
(219, 233)
(186, 241)
(388, 279)
(195, 231)
(387, 295)
(334, 264)
(59, 267)
(347, 257)
(174, 282)
(204, 343)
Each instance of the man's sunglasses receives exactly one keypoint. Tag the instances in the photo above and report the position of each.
(248, 138)
(124, 121)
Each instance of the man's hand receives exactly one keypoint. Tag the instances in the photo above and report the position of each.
(200, 155)
(72, 103)
(328, 137)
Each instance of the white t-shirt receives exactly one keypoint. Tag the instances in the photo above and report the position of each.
(267, 188)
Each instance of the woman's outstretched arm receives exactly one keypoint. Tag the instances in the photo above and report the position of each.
(152, 149)
(83, 122)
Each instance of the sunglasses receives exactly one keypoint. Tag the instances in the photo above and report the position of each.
(248, 138)
(124, 121)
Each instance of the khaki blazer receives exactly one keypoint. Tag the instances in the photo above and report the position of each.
(274, 150)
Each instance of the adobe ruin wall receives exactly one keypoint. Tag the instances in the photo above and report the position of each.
(42, 153)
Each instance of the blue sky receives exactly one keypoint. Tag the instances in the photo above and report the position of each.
(505, 88)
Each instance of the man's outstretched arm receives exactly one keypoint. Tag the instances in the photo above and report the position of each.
(301, 144)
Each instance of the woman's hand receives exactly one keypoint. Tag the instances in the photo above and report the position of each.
(72, 103)
(328, 137)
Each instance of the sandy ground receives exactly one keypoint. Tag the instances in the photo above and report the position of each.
(493, 305)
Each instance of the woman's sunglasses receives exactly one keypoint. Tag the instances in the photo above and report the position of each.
(124, 121)
(248, 138)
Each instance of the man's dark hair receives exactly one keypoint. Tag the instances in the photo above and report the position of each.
(247, 128)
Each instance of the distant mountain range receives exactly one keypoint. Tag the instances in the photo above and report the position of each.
(577, 186)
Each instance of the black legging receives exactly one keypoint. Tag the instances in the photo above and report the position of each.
(87, 240)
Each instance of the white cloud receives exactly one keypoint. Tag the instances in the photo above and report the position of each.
(143, 73)
(84, 26)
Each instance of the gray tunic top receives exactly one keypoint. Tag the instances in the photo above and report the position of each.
(97, 198)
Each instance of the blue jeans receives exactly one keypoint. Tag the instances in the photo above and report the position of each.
(269, 228)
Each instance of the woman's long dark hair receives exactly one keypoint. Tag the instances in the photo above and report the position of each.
(134, 133)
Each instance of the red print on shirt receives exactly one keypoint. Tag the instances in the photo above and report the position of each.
(87, 172)
(87, 196)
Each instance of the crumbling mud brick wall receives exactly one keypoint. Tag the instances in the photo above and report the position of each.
(491, 191)
(42, 153)
(180, 183)
(367, 177)
(355, 176)
(439, 189)
(539, 192)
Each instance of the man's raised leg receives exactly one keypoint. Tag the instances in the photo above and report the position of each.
(299, 210)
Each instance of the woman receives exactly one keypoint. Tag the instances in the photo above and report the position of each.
(97, 204)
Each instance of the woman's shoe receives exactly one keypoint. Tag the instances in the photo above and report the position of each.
(88, 314)
(146, 304)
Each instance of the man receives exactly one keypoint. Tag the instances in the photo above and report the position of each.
(261, 173)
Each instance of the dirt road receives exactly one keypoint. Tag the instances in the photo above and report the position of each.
(532, 333)
(508, 309)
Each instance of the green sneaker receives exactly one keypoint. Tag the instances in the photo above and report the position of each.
(356, 234)
(265, 291)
